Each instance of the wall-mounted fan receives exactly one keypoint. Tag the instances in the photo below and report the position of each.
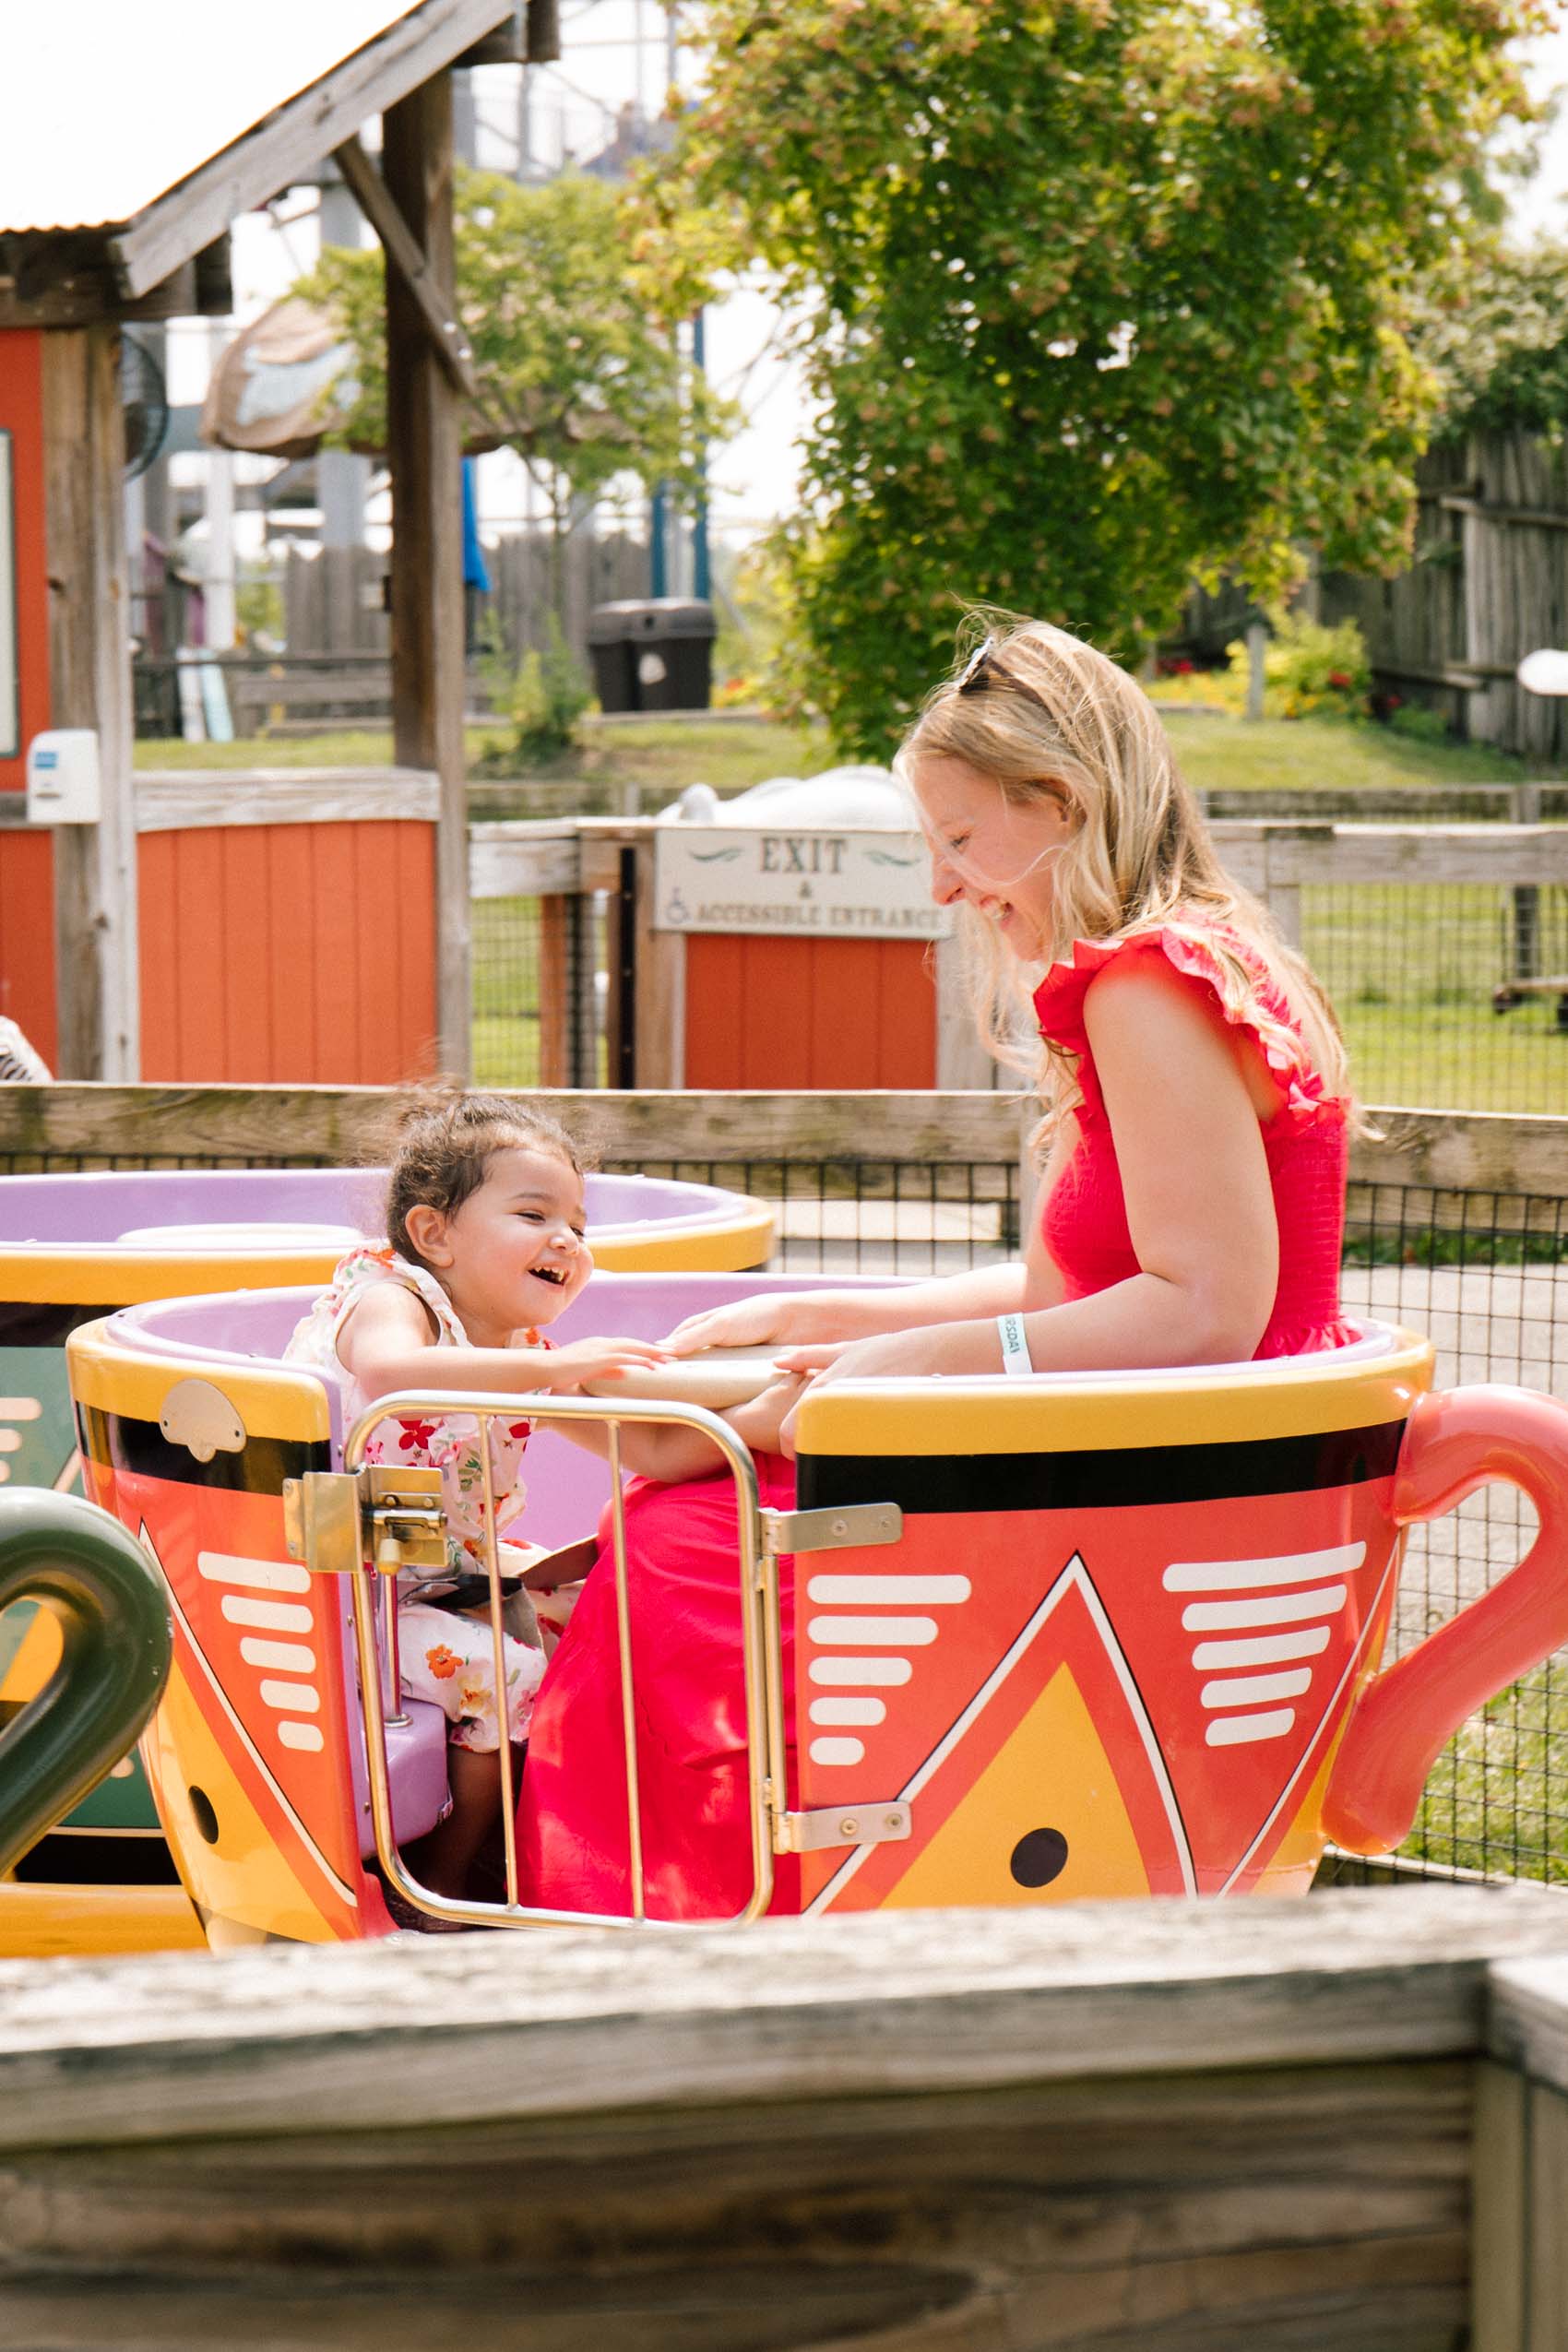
(144, 397)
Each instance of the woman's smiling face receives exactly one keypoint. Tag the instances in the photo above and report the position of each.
(991, 852)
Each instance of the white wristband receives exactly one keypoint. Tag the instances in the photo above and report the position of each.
(1015, 1343)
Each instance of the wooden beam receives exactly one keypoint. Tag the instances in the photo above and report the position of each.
(175, 800)
(289, 145)
(405, 256)
(1449, 1152)
(877, 2006)
(523, 859)
(95, 865)
(424, 454)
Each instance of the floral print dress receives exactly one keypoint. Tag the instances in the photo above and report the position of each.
(445, 1650)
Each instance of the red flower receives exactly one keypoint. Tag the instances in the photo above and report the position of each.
(519, 1428)
(1340, 678)
(415, 1434)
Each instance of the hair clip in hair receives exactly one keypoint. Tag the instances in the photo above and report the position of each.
(983, 670)
(971, 679)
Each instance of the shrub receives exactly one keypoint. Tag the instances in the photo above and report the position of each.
(1419, 722)
(1309, 670)
(542, 700)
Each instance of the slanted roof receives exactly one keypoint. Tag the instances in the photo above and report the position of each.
(145, 126)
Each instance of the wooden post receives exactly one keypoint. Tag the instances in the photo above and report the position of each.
(660, 983)
(424, 452)
(95, 865)
(555, 991)
(1257, 648)
(962, 1062)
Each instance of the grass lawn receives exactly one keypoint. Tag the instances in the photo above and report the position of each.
(1497, 1799)
(663, 755)
(1219, 754)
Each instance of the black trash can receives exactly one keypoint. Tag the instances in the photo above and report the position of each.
(655, 653)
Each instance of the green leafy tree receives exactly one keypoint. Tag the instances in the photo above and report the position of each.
(1496, 334)
(1102, 294)
(575, 357)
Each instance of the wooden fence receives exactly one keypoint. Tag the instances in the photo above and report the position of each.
(334, 601)
(341, 1126)
(1488, 585)
(1338, 2122)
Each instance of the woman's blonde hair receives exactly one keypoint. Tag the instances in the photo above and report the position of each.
(1045, 716)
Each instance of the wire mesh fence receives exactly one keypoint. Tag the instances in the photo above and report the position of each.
(1484, 1273)
(539, 1017)
(1444, 990)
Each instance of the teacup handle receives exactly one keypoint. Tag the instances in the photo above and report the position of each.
(1454, 1442)
(116, 1650)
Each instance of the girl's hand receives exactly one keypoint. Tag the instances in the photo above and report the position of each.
(746, 1323)
(584, 1359)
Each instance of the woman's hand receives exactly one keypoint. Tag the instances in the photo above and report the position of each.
(746, 1323)
(584, 1359)
(759, 1422)
(816, 1357)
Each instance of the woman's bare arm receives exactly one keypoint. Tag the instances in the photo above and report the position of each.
(1200, 1206)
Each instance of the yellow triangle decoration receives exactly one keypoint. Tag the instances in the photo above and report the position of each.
(1053, 1773)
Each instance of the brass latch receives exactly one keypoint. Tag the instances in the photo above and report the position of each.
(847, 1528)
(334, 1521)
(882, 1825)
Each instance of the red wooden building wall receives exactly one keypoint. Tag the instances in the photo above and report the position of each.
(799, 1013)
(300, 954)
(26, 886)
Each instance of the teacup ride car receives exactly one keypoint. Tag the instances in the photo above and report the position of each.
(74, 1247)
(1067, 1635)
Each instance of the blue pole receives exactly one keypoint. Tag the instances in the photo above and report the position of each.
(702, 579)
(658, 579)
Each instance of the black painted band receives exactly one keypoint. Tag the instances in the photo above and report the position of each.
(115, 1441)
(1124, 1476)
(42, 1323)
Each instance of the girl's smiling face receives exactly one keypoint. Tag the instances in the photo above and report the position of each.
(993, 852)
(512, 1254)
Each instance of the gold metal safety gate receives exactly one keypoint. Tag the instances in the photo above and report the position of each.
(369, 1521)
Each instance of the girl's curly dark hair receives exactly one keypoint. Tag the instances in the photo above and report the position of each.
(446, 1143)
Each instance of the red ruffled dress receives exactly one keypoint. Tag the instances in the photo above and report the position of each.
(684, 1556)
(684, 1590)
(1306, 1142)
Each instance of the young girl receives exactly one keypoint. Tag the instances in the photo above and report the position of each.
(484, 1215)
(1196, 1114)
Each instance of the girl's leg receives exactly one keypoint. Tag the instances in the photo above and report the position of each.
(444, 1859)
(448, 1659)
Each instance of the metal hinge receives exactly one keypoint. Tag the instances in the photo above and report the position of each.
(334, 1520)
(844, 1529)
(843, 1826)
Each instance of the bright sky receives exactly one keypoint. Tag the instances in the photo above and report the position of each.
(614, 53)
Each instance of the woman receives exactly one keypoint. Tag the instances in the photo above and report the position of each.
(1196, 1133)
(1193, 1082)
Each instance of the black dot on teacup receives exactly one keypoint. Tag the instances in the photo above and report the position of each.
(1039, 1857)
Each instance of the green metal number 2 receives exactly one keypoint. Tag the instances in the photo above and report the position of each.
(82, 1566)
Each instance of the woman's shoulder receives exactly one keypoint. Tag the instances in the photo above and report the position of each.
(1233, 973)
